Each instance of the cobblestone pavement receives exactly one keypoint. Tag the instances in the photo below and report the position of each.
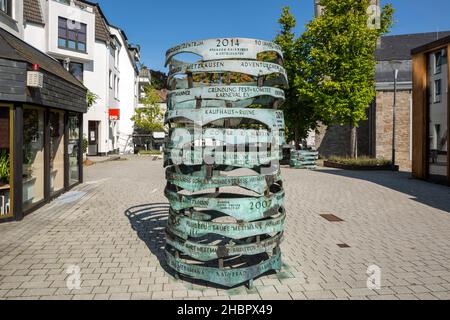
(112, 228)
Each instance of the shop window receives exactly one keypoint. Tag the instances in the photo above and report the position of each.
(33, 157)
(74, 148)
(56, 151)
(5, 163)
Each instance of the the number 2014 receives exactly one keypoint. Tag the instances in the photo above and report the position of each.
(227, 42)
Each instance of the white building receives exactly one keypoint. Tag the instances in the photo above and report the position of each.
(11, 17)
(78, 34)
(126, 89)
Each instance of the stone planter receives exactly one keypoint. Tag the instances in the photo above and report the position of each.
(330, 164)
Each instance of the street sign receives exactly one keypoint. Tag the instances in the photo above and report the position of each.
(114, 114)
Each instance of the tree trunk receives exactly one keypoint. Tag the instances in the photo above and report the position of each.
(297, 139)
(354, 143)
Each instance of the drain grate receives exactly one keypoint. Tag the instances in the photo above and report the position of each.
(331, 218)
(343, 245)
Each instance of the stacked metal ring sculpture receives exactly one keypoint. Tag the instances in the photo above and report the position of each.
(222, 158)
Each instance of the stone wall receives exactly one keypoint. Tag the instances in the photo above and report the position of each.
(336, 140)
(384, 104)
(375, 142)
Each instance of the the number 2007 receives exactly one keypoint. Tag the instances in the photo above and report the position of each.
(227, 42)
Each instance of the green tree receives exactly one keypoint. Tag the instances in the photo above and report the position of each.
(91, 98)
(150, 118)
(338, 63)
(300, 112)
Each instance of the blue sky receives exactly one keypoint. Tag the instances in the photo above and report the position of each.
(158, 25)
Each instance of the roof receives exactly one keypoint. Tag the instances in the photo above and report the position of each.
(398, 47)
(101, 23)
(32, 12)
(432, 45)
(13, 48)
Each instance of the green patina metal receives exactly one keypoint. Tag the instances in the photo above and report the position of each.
(184, 227)
(228, 277)
(216, 130)
(273, 119)
(180, 138)
(224, 94)
(252, 68)
(209, 155)
(197, 181)
(241, 208)
(205, 252)
(304, 159)
(224, 48)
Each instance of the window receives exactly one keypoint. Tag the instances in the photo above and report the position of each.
(116, 88)
(71, 35)
(6, 7)
(74, 148)
(111, 80)
(438, 62)
(76, 69)
(437, 90)
(33, 156)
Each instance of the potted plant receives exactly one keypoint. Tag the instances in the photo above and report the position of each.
(4, 168)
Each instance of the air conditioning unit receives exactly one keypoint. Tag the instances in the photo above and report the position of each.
(35, 79)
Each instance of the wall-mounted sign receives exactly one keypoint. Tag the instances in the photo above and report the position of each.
(35, 79)
(114, 114)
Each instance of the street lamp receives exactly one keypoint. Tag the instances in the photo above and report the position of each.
(395, 64)
(394, 116)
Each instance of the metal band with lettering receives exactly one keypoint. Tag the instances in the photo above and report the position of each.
(304, 159)
(273, 119)
(212, 157)
(240, 208)
(227, 277)
(185, 227)
(252, 68)
(197, 181)
(179, 138)
(218, 125)
(224, 93)
(207, 252)
(225, 48)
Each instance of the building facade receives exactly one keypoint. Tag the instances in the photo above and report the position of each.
(431, 111)
(41, 111)
(375, 135)
(78, 34)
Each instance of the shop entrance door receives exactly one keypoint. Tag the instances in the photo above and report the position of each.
(93, 138)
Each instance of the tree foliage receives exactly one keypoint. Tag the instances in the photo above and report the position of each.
(331, 66)
(299, 112)
(338, 60)
(91, 98)
(150, 118)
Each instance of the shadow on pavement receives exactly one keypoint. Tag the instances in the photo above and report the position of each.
(150, 221)
(427, 193)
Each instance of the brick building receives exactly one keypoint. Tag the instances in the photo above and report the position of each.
(375, 134)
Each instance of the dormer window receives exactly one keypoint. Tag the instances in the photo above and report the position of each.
(6, 7)
(71, 35)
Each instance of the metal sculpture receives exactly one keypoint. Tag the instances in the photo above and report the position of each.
(225, 226)
(304, 159)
